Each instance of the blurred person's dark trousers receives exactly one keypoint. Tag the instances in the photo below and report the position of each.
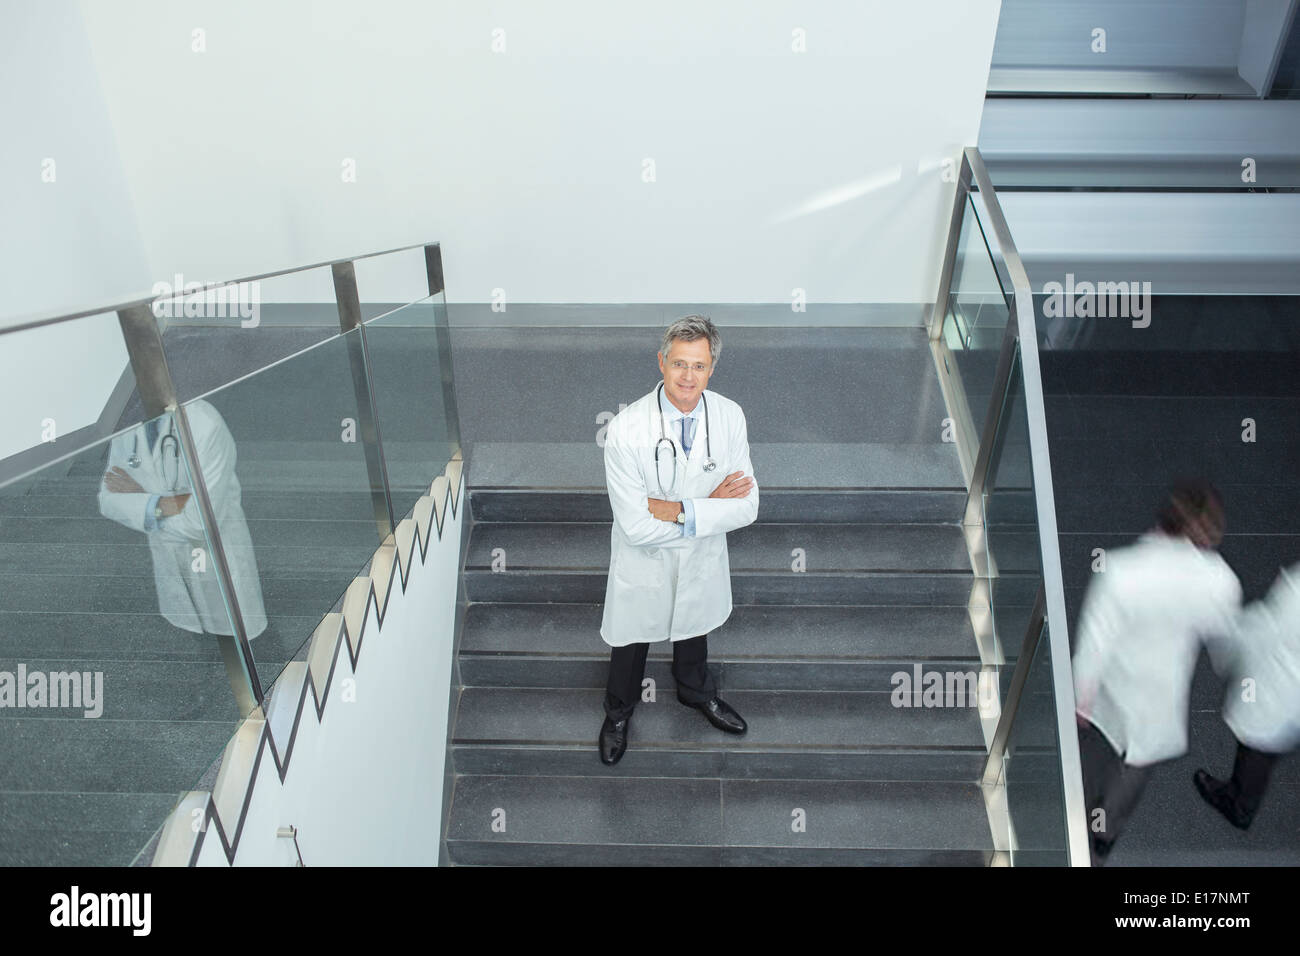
(1109, 785)
(695, 683)
(1250, 773)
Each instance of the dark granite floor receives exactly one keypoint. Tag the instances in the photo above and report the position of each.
(1130, 409)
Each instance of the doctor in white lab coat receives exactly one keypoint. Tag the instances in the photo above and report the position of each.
(1262, 705)
(147, 488)
(1143, 623)
(669, 575)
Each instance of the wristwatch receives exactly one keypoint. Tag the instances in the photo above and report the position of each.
(681, 515)
(157, 511)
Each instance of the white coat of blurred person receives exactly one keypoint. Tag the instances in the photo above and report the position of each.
(1141, 628)
(147, 489)
(1262, 706)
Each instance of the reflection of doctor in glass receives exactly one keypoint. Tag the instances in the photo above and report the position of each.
(147, 488)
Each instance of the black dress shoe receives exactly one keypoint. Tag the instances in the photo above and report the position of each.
(721, 715)
(1218, 794)
(1100, 849)
(613, 740)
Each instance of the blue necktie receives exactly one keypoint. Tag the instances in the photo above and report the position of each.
(151, 433)
(686, 431)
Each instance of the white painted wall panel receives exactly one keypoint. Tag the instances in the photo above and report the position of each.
(775, 170)
(364, 783)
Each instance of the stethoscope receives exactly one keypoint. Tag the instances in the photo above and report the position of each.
(709, 463)
(134, 458)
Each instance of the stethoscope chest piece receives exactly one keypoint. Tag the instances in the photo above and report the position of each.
(709, 463)
(134, 461)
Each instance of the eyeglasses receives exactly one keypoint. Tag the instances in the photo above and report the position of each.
(680, 366)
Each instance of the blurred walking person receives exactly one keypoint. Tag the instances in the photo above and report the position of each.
(1262, 707)
(1140, 632)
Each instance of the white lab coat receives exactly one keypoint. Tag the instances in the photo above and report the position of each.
(1266, 646)
(187, 598)
(1140, 632)
(663, 585)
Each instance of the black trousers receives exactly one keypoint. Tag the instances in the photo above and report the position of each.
(1109, 785)
(695, 683)
(1250, 773)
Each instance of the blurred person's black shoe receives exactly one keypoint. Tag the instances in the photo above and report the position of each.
(1100, 849)
(1219, 794)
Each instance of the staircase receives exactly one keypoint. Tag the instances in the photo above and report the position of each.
(830, 772)
(77, 593)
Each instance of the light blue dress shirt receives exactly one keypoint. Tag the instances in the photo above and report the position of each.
(150, 522)
(676, 415)
(150, 439)
(151, 436)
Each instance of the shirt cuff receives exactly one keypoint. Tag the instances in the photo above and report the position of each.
(150, 524)
(688, 531)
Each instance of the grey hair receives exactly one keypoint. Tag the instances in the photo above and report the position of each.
(688, 329)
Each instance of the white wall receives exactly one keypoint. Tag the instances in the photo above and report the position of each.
(364, 782)
(774, 170)
(64, 244)
(72, 242)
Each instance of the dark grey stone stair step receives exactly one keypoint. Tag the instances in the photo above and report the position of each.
(108, 756)
(849, 735)
(760, 547)
(780, 648)
(64, 561)
(637, 822)
(66, 846)
(75, 498)
(290, 534)
(104, 594)
(884, 764)
(84, 812)
(766, 632)
(264, 467)
(79, 829)
(850, 823)
(870, 365)
(863, 720)
(877, 505)
(806, 675)
(808, 464)
(950, 589)
(585, 821)
(139, 635)
(139, 690)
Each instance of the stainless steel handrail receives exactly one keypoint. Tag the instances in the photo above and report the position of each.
(1019, 677)
(53, 318)
(1021, 332)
